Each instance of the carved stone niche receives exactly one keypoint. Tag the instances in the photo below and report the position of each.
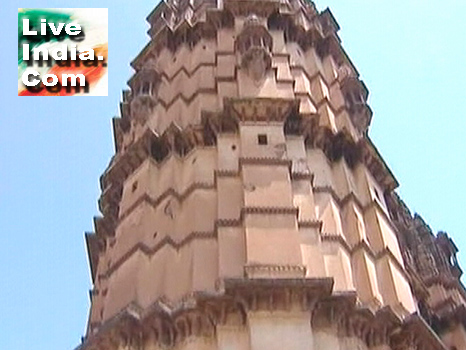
(254, 44)
(355, 94)
(144, 86)
(449, 251)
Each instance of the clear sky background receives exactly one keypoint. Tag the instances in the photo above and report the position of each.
(410, 53)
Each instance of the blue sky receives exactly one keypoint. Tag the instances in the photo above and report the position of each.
(411, 55)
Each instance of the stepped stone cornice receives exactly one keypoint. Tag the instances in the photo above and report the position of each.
(198, 314)
(317, 224)
(151, 250)
(364, 246)
(256, 271)
(351, 198)
(260, 109)
(168, 193)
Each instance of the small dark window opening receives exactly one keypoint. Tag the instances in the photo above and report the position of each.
(146, 88)
(262, 139)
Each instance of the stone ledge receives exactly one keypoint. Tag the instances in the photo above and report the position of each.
(168, 324)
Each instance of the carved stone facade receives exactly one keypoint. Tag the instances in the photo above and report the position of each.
(246, 208)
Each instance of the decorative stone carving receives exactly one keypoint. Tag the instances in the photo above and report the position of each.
(254, 44)
(141, 108)
(355, 94)
(256, 61)
(252, 21)
(344, 72)
(144, 87)
(263, 109)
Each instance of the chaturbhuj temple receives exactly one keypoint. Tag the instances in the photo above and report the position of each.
(246, 207)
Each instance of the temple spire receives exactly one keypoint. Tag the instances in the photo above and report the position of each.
(246, 207)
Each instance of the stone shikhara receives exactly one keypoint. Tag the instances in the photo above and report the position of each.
(247, 208)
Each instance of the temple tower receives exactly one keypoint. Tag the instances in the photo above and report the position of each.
(246, 207)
